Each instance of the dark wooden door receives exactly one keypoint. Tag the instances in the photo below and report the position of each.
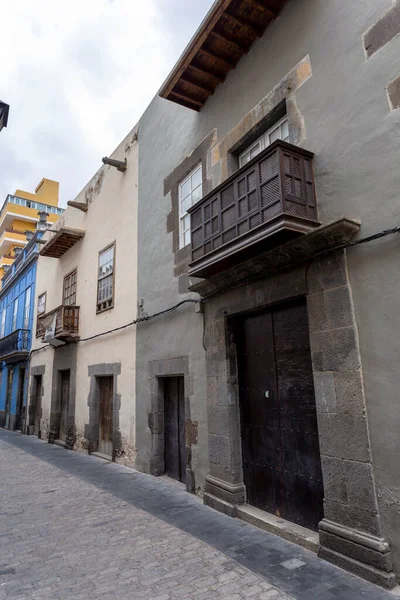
(10, 375)
(38, 405)
(64, 403)
(175, 446)
(281, 459)
(105, 430)
(20, 397)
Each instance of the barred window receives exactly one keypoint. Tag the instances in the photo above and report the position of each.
(105, 279)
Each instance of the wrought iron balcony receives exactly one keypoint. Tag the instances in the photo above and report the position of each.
(60, 325)
(264, 204)
(15, 347)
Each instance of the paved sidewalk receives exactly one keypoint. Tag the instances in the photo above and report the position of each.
(77, 528)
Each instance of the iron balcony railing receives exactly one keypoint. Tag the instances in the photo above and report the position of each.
(273, 194)
(60, 323)
(18, 342)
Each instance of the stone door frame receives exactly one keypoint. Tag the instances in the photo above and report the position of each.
(158, 371)
(350, 533)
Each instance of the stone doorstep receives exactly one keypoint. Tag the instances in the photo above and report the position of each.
(101, 455)
(284, 529)
(60, 443)
(172, 481)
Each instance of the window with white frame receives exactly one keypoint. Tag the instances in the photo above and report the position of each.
(27, 308)
(105, 279)
(3, 323)
(190, 192)
(41, 309)
(279, 131)
(15, 314)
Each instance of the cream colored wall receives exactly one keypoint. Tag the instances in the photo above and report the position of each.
(111, 217)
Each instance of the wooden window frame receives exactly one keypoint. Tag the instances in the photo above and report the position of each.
(27, 313)
(99, 308)
(39, 331)
(184, 213)
(67, 276)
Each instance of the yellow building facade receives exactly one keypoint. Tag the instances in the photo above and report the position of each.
(19, 214)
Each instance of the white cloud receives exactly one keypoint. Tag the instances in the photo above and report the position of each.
(77, 76)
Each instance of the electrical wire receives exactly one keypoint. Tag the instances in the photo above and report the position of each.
(171, 309)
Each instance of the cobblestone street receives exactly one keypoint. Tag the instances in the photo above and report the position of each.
(76, 527)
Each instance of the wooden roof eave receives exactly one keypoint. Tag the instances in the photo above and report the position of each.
(227, 33)
(202, 33)
(61, 242)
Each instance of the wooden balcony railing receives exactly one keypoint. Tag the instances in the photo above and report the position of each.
(262, 205)
(61, 323)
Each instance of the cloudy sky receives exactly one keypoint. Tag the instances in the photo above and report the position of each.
(78, 75)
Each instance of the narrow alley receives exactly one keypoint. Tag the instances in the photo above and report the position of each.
(76, 527)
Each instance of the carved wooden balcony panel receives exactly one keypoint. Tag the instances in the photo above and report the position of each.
(262, 205)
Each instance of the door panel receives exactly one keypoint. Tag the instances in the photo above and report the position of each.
(105, 429)
(20, 398)
(174, 415)
(281, 460)
(38, 405)
(260, 415)
(299, 431)
(65, 381)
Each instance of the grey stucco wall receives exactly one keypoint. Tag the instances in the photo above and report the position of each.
(355, 136)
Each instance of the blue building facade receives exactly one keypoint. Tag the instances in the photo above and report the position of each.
(16, 330)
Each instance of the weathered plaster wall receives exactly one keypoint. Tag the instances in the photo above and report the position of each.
(341, 109)
(112, 203)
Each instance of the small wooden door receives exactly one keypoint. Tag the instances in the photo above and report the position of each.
(20, 398)
(105, 430)
(281, 458)
(64, 403)
(38, 405)
(174, 411)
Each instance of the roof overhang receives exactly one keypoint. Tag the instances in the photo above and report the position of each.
(4, 109)
(227, 32)
(61, 241)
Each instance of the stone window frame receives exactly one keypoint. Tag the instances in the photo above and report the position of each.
(159, 370)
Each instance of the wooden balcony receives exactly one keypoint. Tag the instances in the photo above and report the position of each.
(264, 204)
(60, 325)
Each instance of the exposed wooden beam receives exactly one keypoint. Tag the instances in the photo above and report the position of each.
(243, 23)
(228, 40)
(227, 62)
(187, 98)
(204, 71)
(184, 103)
(208, 24)
(259, 4)
(197, 86)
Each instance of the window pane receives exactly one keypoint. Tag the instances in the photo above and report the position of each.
(196, 195)
(254, 151)
(186, 222)
(275, 135)
(185, 189)
(244, 158)
(186, 203)
(196, 178)
(186, 237)
(285, 131)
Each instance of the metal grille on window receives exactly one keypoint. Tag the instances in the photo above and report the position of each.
(105, 287)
